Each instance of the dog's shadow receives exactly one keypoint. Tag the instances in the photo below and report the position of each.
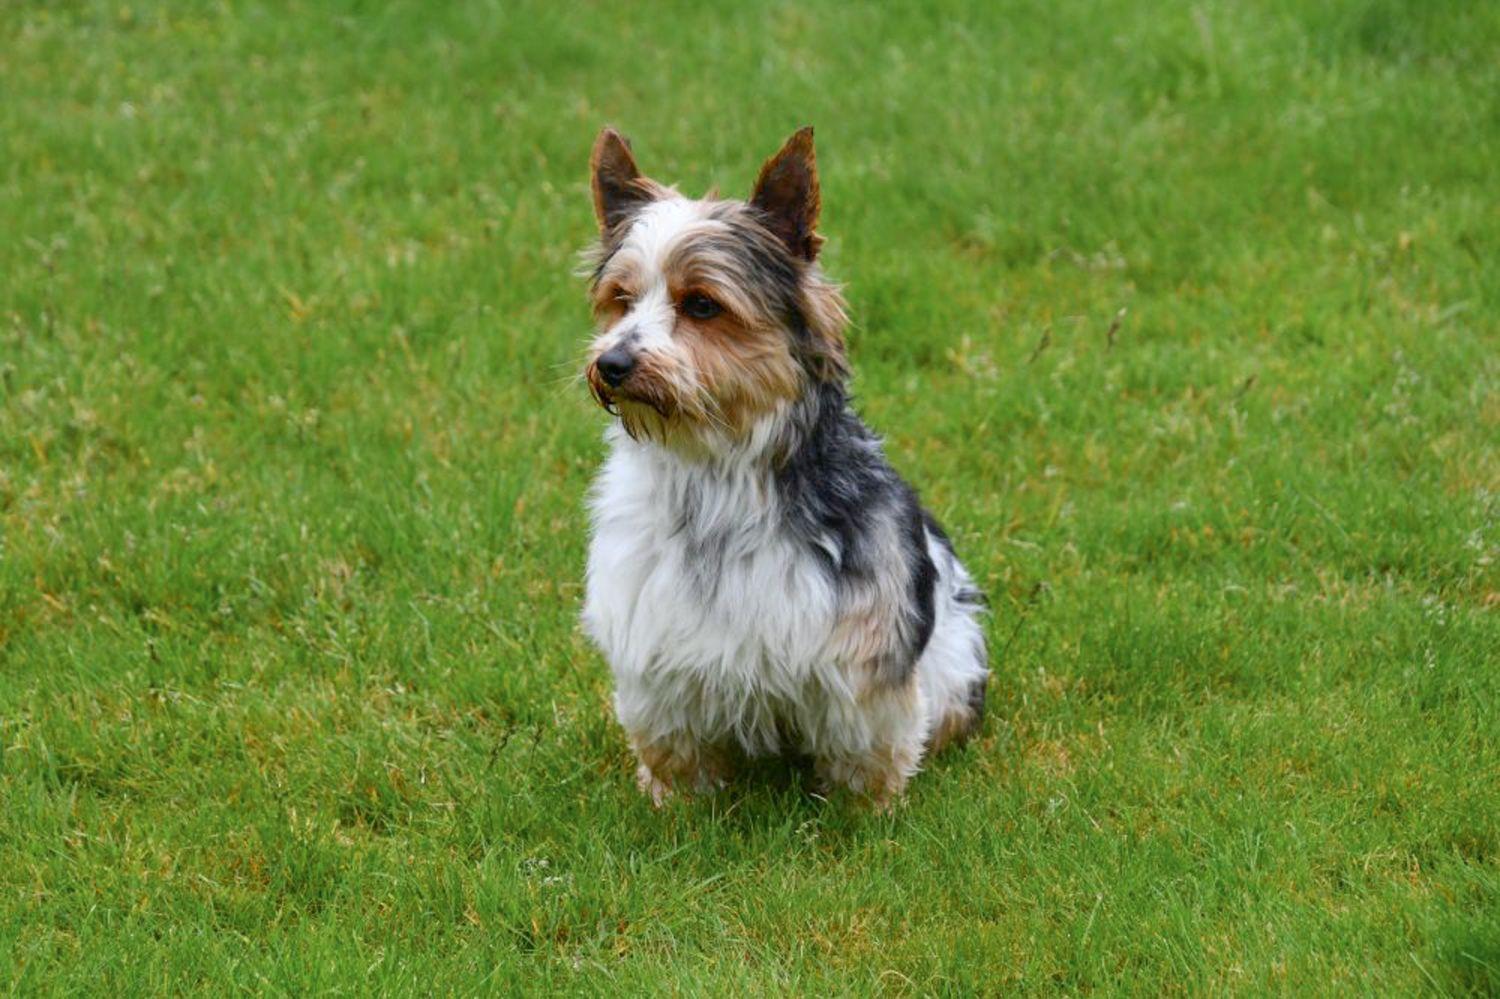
(778, 801)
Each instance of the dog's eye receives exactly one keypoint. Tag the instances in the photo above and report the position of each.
(622, 296)
(699, 306)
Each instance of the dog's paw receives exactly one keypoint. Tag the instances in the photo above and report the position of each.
(872, 780)
(654, 788)
(703, 783)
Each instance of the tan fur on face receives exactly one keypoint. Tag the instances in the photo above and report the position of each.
(720, 374)
(745, 373)
(703, 380)
(653, 407)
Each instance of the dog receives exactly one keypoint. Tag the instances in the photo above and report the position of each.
(760, 579)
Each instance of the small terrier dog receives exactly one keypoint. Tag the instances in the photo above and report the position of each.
(759, 578)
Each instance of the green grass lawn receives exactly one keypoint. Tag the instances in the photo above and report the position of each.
(292, 460)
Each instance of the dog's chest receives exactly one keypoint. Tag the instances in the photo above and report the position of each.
(695, 575)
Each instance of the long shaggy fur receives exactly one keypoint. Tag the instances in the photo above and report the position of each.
(759, 578)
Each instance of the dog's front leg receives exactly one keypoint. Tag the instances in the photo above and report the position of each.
(882, 747)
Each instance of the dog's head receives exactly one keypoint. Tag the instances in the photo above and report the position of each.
(712, 314)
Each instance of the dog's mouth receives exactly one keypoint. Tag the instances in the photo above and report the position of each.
(628, 394)
(601, 392)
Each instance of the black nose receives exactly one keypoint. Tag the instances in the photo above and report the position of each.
(615, 365)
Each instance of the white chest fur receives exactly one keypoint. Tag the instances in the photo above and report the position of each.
(714, 620)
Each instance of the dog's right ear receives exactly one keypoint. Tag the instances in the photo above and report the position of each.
(619, 188)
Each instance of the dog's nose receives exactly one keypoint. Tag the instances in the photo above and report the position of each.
(615, 365)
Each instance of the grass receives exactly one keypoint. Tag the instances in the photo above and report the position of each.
(292, 695)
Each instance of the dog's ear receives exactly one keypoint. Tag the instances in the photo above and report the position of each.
(787, 193)
(619, 188)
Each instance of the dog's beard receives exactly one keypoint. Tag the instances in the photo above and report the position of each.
(643, 413)
(685, 414)
(644, 421)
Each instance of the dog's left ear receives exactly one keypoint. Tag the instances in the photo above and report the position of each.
(787, 192)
